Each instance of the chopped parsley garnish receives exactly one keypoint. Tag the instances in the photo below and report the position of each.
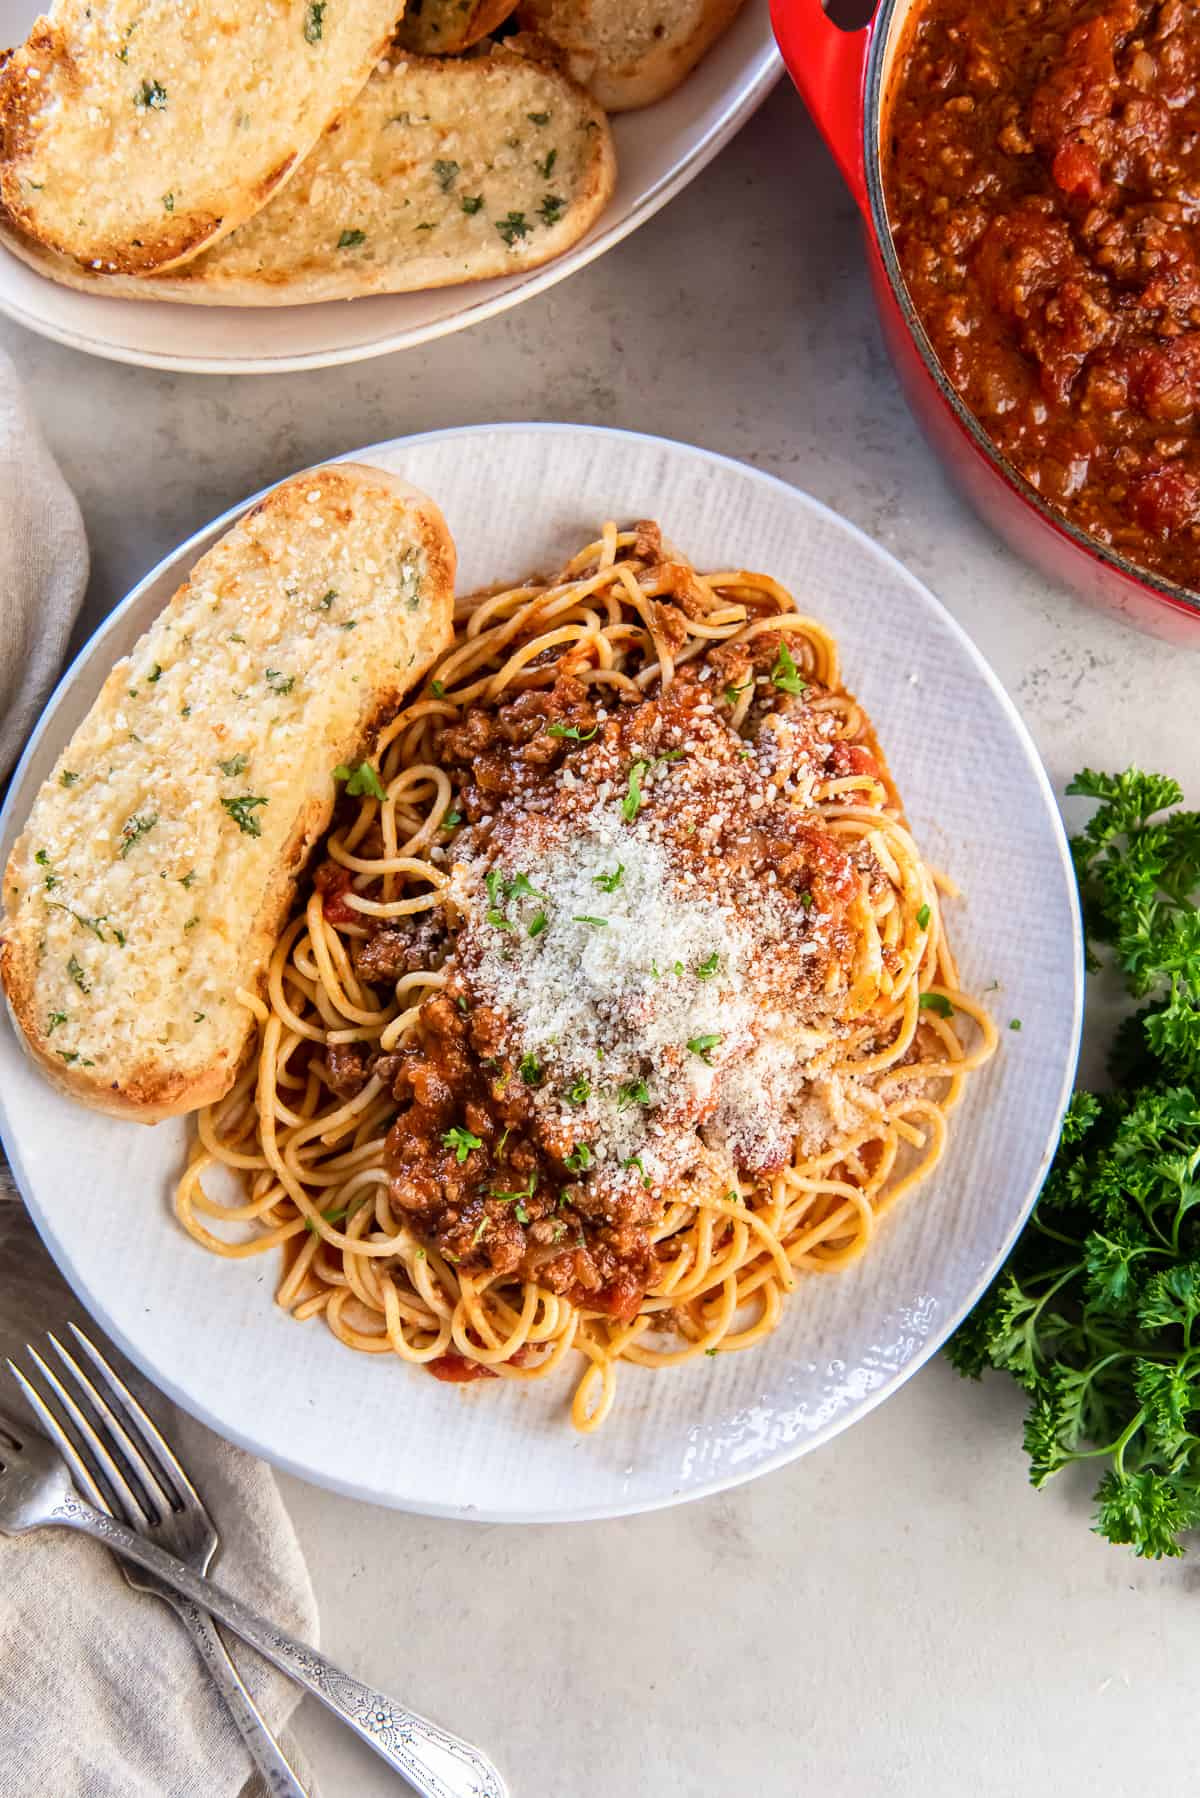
(154, 674)
(67, 778)
(580, 1158)
(241, 810)
(703, 1046)
(784, 674)
(923, 917)
(351, 624)
(1014, 1023)
(461, 1141)
(480, 1227)
(937, 1002)
(472, 203)
(608, 883)
(450, 820)
(636, 1161)
(186, 880)
(314, 22)
(54, 1020)
(708, 967)
(360, 782)
(69, 1055)
(151, 94)
(350, 240)
(92, 924)
(551, 209)
(77, 974)
(806, 900)
(410, 578)
(633, 1092)
(520, 1213)
(581, 1092)
(191, 924)
(512, 227)
(237, 764)
(526, 1192)
(135, 829)
(582, 918)
(329, 1217)
(733, 694)
(632, 803)
(500, 891)
(538, 118)
(537, 924)
(546, 165)
(438, 689)
(530, 1069)
(446, 174)
(494, 883)
(326, 600)
(558, 729)
(280, 683)
(42, 859)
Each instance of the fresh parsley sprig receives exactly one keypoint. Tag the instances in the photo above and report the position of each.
(1096, 1314)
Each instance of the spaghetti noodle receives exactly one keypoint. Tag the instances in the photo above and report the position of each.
(620, 997)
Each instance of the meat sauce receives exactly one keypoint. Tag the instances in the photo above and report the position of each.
(1043, 186)
(470, 1159)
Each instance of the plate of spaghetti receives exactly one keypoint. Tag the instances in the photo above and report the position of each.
(669, 1037)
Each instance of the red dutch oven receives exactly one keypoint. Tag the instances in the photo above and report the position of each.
(843, 77)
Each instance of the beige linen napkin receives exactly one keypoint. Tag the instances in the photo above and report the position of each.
(102, 1694)
(43, 568)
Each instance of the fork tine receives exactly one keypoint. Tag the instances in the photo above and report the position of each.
(157, 1450)
(100, 1421)
(67, 1446)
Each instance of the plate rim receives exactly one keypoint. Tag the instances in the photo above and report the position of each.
(763, 72)
(949, 1316)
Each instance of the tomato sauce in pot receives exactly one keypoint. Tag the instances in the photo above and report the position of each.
(1042, 173)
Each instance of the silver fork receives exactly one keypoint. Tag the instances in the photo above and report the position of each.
(36, 1490)
(163, 1498)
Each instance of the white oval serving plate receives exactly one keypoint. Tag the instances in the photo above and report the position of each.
(659, 150)
(519, 498)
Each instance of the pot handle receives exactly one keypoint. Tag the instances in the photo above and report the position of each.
(829, 67)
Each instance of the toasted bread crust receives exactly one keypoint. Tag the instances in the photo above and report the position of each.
(250, 895)
(133, 135)
(367, 180)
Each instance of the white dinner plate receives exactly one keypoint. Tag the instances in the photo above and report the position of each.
(659, 150)
(520, 498)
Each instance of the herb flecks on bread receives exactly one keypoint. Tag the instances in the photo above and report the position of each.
(159, 860)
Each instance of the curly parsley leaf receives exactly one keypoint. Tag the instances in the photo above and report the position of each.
(1096, 1314)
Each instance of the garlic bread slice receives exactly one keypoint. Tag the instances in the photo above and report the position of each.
(160, 858)
(629, 53)
(134, 132)
(447, 27)
(443, 170)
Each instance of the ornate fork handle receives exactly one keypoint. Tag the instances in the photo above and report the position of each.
(280, 1780)
(434, 1762)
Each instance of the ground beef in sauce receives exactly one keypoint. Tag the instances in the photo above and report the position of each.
(470, 1157)
(1043, 184)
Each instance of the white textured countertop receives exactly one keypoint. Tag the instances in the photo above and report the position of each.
(898, 1613)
